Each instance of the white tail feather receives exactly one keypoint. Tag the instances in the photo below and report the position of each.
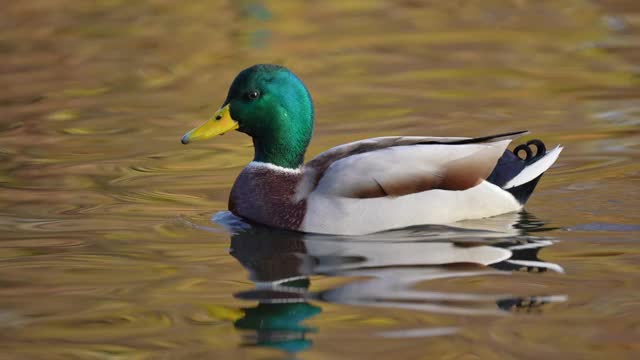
(536, 169)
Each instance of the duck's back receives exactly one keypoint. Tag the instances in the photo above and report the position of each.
(394, 182)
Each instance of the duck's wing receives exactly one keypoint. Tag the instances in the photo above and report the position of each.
(395, 166)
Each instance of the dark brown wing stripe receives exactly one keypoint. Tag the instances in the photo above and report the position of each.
(477, 140)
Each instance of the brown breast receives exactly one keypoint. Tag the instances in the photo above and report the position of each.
(266, 196)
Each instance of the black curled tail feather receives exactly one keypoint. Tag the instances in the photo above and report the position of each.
(511, 164)
(530, 157)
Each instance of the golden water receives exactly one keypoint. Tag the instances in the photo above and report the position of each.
(108, 248)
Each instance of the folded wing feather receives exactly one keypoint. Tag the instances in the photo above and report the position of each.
(405, 165)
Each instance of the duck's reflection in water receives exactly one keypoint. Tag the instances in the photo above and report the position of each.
(387, 267)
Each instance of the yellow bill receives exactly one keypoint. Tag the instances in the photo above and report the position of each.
(219, 124)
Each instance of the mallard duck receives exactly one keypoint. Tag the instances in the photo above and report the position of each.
(365, 186)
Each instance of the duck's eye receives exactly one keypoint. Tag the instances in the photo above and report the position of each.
(253, 94)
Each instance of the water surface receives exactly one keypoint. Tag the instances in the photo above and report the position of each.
(108, 248)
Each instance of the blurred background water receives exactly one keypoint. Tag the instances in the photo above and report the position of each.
(108, 248)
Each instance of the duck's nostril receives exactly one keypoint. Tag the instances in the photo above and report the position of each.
(218, 117)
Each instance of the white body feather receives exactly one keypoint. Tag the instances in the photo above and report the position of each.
(536, 169)
(350, 216)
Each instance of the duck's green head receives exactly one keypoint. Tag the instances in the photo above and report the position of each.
(270, 104)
